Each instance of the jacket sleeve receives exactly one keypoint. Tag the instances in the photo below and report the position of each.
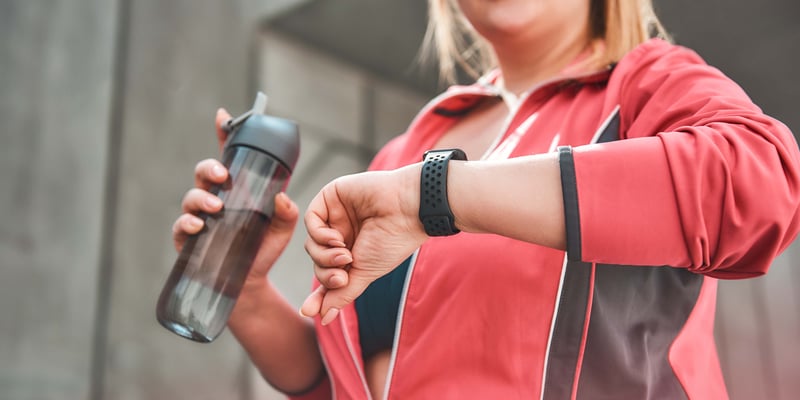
(701, 180)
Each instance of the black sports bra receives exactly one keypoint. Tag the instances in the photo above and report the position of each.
(377, 310)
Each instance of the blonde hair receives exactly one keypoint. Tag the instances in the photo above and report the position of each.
(620, 25)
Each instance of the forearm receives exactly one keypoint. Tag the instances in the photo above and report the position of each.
(280, 343)
(518, 198)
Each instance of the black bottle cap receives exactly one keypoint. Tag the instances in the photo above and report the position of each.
(275, 136)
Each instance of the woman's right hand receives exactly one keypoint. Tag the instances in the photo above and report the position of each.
(199, 200)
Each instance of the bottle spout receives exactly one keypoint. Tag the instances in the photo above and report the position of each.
(259, 107)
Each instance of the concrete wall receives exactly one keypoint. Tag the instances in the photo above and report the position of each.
(56, 63)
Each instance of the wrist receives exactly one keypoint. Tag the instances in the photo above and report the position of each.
(254, 298)
(409, 195)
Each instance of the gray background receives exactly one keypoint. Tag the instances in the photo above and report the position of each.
(106, 105)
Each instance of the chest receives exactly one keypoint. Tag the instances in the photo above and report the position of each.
(492, 130)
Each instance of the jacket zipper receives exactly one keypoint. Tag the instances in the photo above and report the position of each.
(399, 325)
(553, 325)
(353, 356)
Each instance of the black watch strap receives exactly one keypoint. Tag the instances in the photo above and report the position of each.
(434, 209)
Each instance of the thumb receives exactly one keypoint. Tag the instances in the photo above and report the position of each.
(279, 232)
(336, 299)
(221, 118)
(286, 214)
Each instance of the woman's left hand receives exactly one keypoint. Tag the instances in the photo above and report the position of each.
(360, 227)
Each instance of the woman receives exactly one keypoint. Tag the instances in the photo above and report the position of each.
(617, 178)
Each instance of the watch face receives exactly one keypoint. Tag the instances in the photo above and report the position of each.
(457, 154)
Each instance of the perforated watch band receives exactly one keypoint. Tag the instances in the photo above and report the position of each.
(434, 209)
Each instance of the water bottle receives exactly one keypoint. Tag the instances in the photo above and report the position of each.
(200, 292)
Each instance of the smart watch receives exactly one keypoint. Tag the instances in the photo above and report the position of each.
(434, 209)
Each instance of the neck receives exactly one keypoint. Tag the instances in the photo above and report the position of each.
(524, 64)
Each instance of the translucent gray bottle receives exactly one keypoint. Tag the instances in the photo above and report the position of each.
(260, 154)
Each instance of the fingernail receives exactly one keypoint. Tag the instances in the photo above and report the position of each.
(342, 259)
(335, 281)
(300, 311)
(217, 171)
(330, 316)
(285, 199)
(336, 243)
(196, 222)
(213, 202)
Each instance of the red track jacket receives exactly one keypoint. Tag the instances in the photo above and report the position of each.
(671, 178)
